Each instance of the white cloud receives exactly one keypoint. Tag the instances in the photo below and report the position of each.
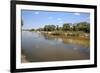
(76, 13)
(36, 12)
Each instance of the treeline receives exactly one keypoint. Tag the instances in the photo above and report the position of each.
(82, 26)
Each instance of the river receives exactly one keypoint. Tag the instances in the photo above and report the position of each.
(38, 47)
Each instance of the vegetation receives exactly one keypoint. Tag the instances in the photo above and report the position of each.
(49, 27)
(82, 26)
(66, 27)
(79, 29)
(32, 29)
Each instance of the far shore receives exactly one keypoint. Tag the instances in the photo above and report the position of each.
(78, 34)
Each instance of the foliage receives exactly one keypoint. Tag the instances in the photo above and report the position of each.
(82, 26)
(32, 29)
(49, 27)
(66, 26)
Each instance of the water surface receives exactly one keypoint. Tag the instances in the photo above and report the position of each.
(38, 47)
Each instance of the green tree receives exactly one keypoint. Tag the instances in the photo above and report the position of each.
(46, 28)
(66, 26)
(40, 29)
(83, 26)
(32, 29)
(49, 27)
(57, 27)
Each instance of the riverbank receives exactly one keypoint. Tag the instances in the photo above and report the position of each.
(69, 37)
(67, 34)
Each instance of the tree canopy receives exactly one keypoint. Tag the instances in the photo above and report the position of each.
(81, 26)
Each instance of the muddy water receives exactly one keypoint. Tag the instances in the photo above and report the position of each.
(38, 47)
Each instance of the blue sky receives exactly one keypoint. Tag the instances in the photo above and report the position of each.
(36, 19)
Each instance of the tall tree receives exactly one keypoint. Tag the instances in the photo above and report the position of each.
(83, 26)
(66, 26)
(49, 27)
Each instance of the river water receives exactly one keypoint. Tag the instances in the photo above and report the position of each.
(38, 47)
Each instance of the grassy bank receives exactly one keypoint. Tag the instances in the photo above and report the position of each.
(67, 34)
(80, 38)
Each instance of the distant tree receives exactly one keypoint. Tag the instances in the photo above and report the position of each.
(57, 27)
(83, 26)
(74, 28)
(40, 29)
(87, 28)
(32, 29)
(46, 28)
(60, 28)
(52, 27)
(71, 28)
(49, 27)
(66, 26)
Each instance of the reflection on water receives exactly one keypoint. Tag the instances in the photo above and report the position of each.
(39, 47)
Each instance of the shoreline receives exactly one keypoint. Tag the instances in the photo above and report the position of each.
(23, 59)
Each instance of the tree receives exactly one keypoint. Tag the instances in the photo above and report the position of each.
(74, 28)
(32, 29)
(46, 28)
(66, 26)
(83, 26)
(40, 29)
(52, 27)
(57, 27)
(49, 27)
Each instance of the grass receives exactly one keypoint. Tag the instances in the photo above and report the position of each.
(68, 33)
